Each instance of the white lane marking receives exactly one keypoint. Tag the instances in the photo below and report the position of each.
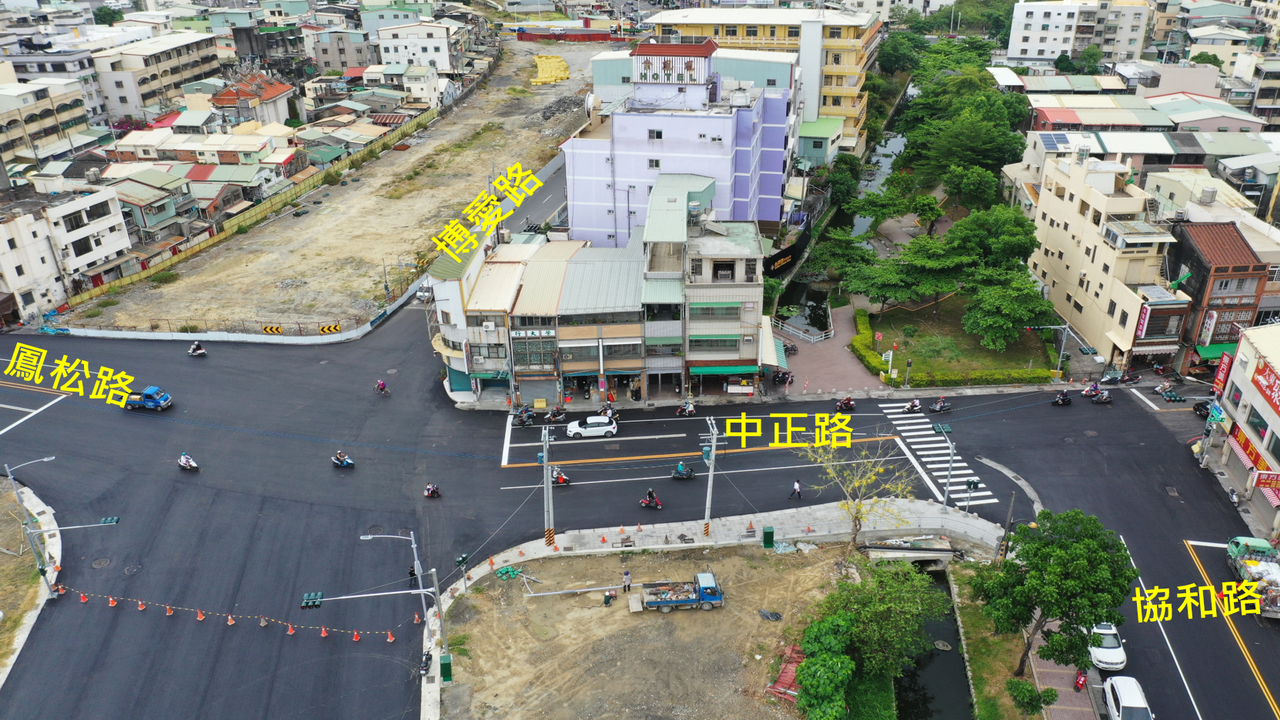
(34, 413)
(956, 471)
(917, 432)
(923, 475)
(911, 420)
(506, 442)
(943, 466)
(985, 501)
(701, 475)
(1152, 405)
(921, 443)
(1168, 644)
(958, 496)
(15, 407)
(930, 452)
(1199, 543)
(615, 438)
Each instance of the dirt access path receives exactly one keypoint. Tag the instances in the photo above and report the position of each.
(571, 657)
(328, 264)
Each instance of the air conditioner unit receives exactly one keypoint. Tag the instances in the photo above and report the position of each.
(487, 326)
(748, 339)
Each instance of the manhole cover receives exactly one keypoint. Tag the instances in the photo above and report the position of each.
(392, 371)
(133, 570)
(1244, 511)
(101, 563)
(1091, 433)
(1171, 490)
(1068, 440)
(403, 532)
(324, 362)
(612, 446)
(375, 529)
(942, 645)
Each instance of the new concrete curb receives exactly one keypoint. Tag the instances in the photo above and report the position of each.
(45, 520)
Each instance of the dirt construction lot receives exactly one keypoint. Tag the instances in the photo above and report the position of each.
(569, 657)
(328, 264)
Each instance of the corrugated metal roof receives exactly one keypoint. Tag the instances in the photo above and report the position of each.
(667, 219)
(136, 193)
(662, 292)
(540, 288)
(559, 250)
(1233, 144)
(496, 287)
(1221, 244)
(512, 253)
(1005, 77)
(1046, 83)
(603, 280)
(1152, 143)
(822, 128)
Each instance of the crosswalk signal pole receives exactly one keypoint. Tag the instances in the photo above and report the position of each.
(548, 512)
(711, 472)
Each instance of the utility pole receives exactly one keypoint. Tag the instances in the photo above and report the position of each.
(944, 430)
(1004, 544)
(709, 454)
(444, 639)
(548, 512)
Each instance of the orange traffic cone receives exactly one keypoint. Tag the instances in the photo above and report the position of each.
(417, 620)
(622, 531)
(290, 632)
(324, 632)
(62, 589)
(199, 614)
(111, 601)
(230, 621)
(84, 598)
(141, 606)
(355, 637)
(490, 562)
(751, 526)
(638, 528)
(168, 610)
(808, 529)
(390, 637)
(555, 548)
(57, 568)
(603, 539)
(521, 553)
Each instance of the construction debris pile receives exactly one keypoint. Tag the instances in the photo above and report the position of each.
(671, 591)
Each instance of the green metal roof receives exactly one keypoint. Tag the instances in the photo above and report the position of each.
(326, 154)
(825, 128)
(662, 292)
(724, 369)
(1214, 352)
(667, 220)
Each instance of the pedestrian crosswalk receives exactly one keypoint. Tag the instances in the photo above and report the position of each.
(948, 470)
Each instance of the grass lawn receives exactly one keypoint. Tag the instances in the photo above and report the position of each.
(19, 581)
(992, 658)
(940, 344)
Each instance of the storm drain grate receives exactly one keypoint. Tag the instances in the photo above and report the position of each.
(101, 563)
(1091, 433)
(1172, 491)
(375, 529)
(133, 570)
(612, 446)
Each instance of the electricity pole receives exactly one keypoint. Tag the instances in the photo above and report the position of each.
(548, 512)
(709, 454)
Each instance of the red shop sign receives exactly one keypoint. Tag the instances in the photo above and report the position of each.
(1266, 479)
(1224, 369)
(1251, 452)
(1268, 383)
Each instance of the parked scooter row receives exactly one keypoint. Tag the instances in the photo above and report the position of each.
(782, 377)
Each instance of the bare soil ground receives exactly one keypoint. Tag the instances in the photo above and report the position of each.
(328, 264)
(19, 583)
(571, 657)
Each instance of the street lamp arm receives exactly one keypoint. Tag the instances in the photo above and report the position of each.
(69, 527)
(9, 470)
(394, 537)
(423, 591)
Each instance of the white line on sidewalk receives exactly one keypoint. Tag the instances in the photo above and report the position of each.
(1201, 543)
(668, 476)
(33, 414)
(1152, 405)
(923, 475)
(615, 438)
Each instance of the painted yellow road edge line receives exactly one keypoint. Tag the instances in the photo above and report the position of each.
(680, 455)
(1235, 633)
(35, 388)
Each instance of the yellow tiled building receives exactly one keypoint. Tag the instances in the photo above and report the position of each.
(836, 50)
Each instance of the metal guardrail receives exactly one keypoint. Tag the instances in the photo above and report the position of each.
(807, 337)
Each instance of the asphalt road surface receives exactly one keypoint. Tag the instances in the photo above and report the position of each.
(267, 518)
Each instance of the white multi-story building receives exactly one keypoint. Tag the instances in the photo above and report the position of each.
(57, 237)
(422, 43)
(1041, 31)
(152, 72)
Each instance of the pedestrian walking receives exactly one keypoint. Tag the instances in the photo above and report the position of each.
(413, 575)
(626, 581)
(795, 491)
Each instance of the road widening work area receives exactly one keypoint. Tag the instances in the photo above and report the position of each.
(329, 263)
(570, 656)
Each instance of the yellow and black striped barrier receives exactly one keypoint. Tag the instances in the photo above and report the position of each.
(272, 330)
(327, 329)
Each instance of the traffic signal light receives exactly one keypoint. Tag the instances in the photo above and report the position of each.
(706, 453)
(971, 485)
(109, 520)
(1173, 397)
(311, 601)
(462, 560)
(908, 362)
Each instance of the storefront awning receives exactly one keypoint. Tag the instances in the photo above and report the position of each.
(1211, 353)
(1271, 495)
(724, 370)
(769, 351)
(1156, 349)
(1240, 453)
(1122, 343)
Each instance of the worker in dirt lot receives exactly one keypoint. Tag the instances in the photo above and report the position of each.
(626, 581)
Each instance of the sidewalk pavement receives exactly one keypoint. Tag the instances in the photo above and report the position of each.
(1071, 705)
(824, 522)
(828, 366)
(1251, 510)
(45, 520)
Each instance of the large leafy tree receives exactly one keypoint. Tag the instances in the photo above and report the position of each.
(900, 52)
(967, 139)
(1208, 59)
(937, 265)
(893, 200)
(1064, 65)
(1089, 59)
(1070, 569)
(973, 187)
(1002, 236)
(926, 210)
(106, 15)
(882, 281)
(839, 251)
(1002, 302)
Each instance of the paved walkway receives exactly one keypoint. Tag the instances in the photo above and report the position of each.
(829, 366)
(1071, 705)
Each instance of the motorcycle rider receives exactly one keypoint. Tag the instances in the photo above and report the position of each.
(942, 401)
(687, 407)
(651, 497)
(185, 460)
(683, 471)
(196, 348)
(432, 490)
(1062, 397)
(913, 406)
(382, 386)
(342, 458)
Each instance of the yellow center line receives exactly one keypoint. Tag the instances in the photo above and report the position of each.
(1235, 633)
(680, 455)
(33, 388)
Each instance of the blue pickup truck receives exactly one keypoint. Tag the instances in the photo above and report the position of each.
(152, 398)
(704, 592)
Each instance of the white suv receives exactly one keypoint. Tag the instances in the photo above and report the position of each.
(1125, 700)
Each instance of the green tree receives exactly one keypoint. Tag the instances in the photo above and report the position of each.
(1069, 569)
(106, 15)
(926, 210)
(863, 488)
(973, 187)
(900, 52)
(937, 265)
(772, 289)
(839, 251)
(892, 201)
(1027, 699)
(1089, 59)
(1002, 303)
(1064, 65)
(884, 280)
(968, 139)
(1208, 59)
(824, 680)
(1001, 236)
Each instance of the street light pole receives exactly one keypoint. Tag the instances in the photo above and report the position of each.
(26, 517)
(444, 638)
(417, 569)
(711, 473)
(943, 430)
(548, 512)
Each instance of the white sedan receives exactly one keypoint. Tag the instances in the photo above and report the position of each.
(1110, 654)
(594, 426)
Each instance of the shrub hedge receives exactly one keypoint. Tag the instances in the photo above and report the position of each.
(863, 346)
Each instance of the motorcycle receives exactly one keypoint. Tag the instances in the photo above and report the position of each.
(1102, 397)
(1130, 378)
(432, 491)
(558, 478)
(781, 377)
(345, 462)
(910, 407)
(1062, 399)
(655, 504)
(556, 415)
(687, 474)
(1092, 392)
(846, 405)
(790, 348)
(607, 410)
(522, 421)
(186, 462)
(942, 406)
(197, 353)
(382, 390)
(1162, 388)
(686, 410)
